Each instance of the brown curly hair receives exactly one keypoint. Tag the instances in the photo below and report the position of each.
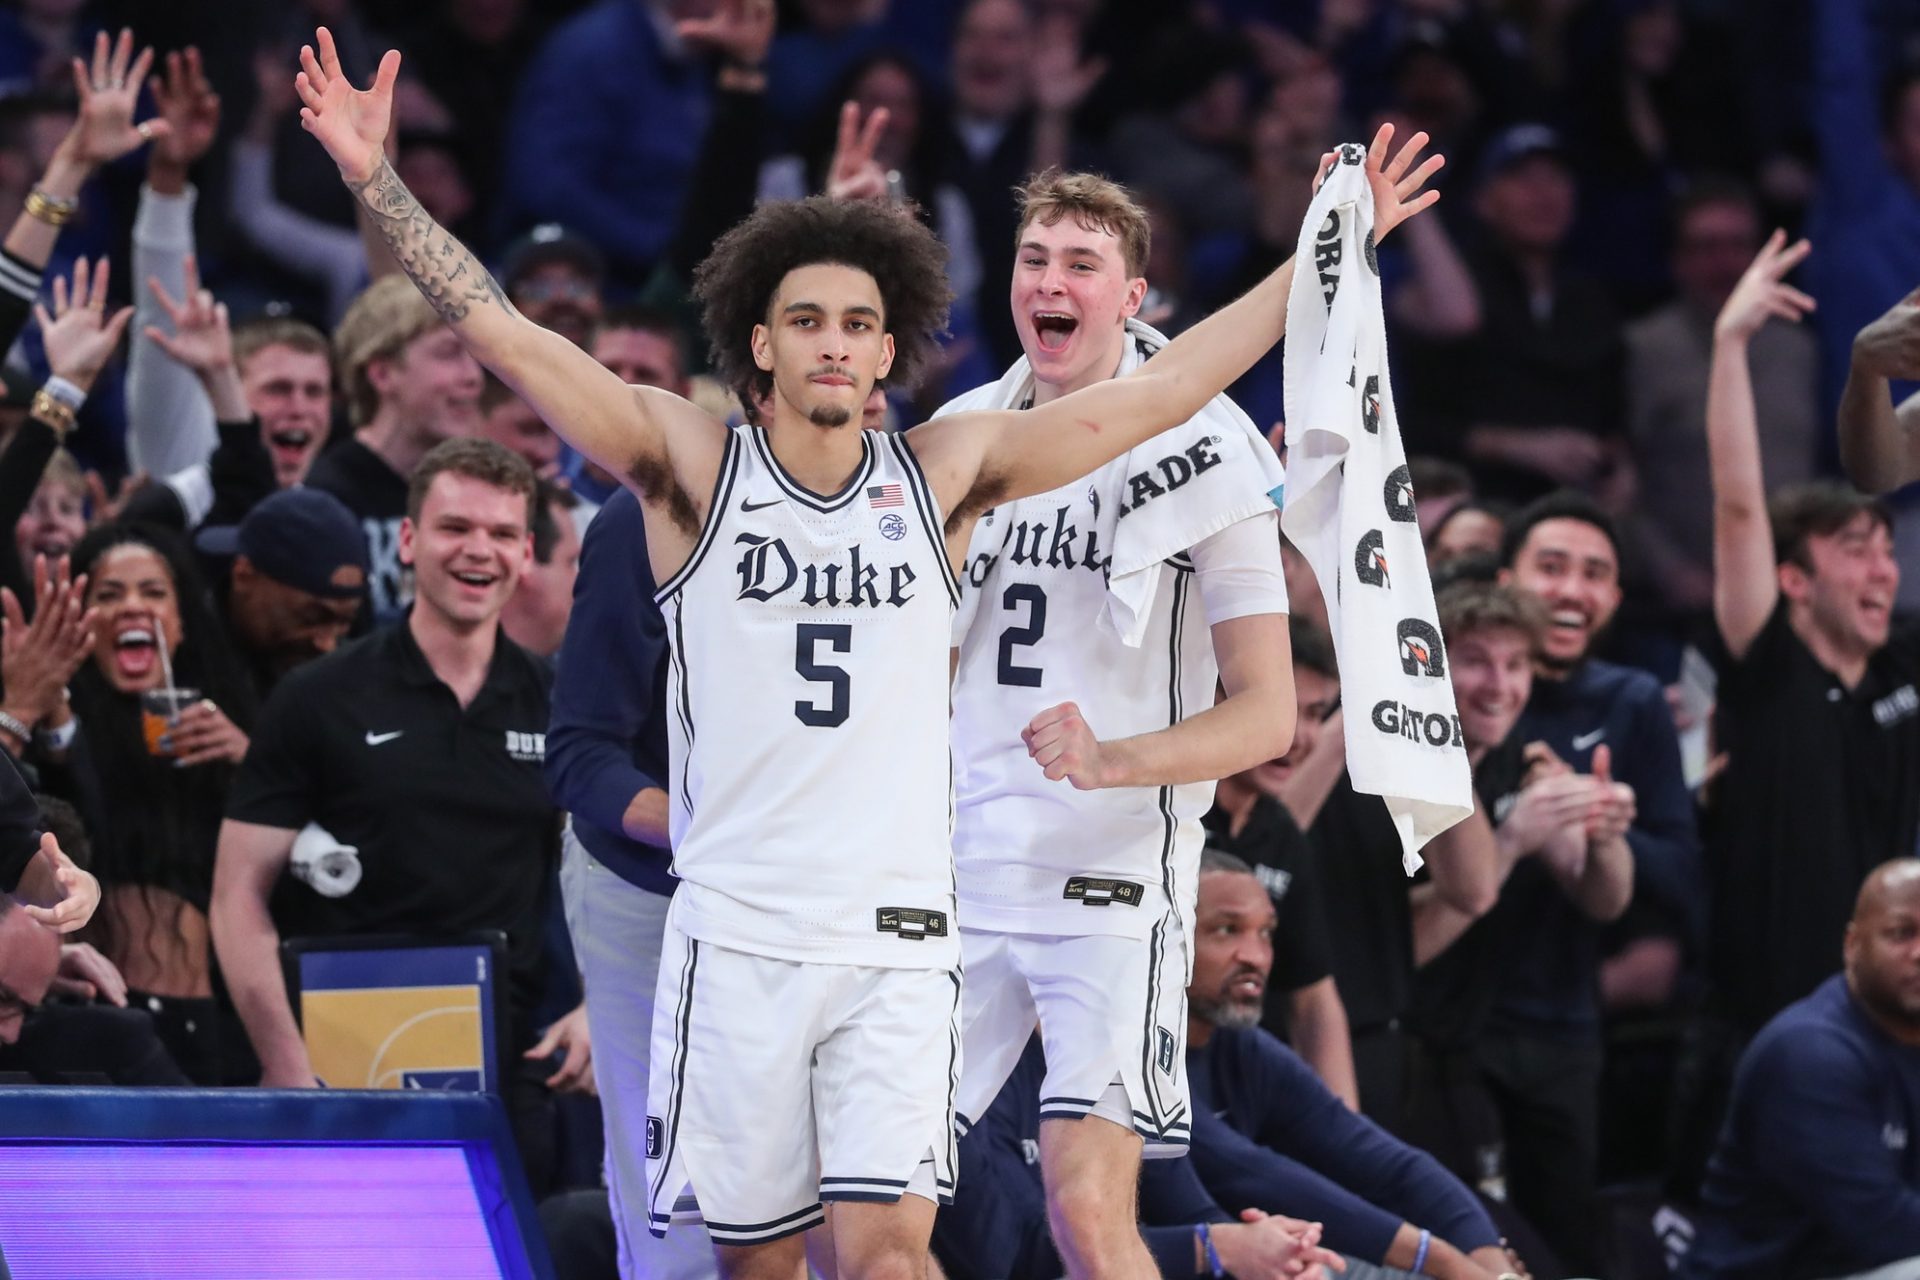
(736, 283)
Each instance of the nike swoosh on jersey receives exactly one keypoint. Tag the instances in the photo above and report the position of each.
(746, 506)
(1586, 740)
(375, 739)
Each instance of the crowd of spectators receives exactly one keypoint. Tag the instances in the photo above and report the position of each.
(1611, 1026)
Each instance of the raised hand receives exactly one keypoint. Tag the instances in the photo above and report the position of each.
(1062, 79)
(104, 507)
(38, 658)
(350, 123)
(1890, 346)
(190, 108)
(79, 335)
(1397, 182)
(81, 892)
(853, 173)
(740, 31)
(103, 129)
(201, 338)
(1763, 292)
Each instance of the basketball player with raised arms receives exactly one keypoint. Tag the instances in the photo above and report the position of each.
(806, 1041)
(1086, 734)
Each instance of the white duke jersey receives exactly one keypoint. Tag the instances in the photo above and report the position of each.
(1036, 856)
(812, 792)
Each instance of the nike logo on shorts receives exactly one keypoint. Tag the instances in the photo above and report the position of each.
(1586, 740)
(375, 739)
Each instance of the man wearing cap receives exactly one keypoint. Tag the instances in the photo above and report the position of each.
(1534, 397)
(554, 276)
(296, 582)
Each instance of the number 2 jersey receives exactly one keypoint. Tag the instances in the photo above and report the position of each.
(811, 790)
(1037, 856)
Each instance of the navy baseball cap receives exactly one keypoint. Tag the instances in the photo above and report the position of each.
(550, 243)
(302, 538)
(1519, 143)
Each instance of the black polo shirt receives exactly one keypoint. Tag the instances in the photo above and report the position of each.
(1822, 785)
(446, 805)
(1273, 844)
(1369, 918)
(1454, 993)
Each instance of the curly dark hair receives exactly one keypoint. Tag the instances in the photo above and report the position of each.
(736, 283)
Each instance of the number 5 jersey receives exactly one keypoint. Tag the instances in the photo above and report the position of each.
(807, 706)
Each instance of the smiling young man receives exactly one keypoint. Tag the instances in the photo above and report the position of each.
(418, 750)
(1818, 710)
(1557, 867)
(1085, 758)
(808, 583)
(1546, 1008)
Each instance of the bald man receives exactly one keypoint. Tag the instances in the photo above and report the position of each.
(1818, 1169)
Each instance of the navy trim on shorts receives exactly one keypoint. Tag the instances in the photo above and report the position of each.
(767, 1232)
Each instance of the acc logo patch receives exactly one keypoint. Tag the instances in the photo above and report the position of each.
(656, 1133)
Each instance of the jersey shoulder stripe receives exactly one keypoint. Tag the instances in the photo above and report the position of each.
(716, 514)
(929, 510)
(799, 492)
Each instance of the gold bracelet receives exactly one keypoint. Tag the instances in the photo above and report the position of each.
(52, 210)
(53, 413)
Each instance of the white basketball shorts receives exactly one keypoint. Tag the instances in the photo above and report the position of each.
(778, 1085)
(1112, 1014)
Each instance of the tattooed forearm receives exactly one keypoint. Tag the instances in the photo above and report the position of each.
(445, 270)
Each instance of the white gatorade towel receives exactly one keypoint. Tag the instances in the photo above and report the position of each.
(1349, 509)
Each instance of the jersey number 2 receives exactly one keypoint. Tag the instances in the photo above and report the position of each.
(1035, 599)
(806, 642)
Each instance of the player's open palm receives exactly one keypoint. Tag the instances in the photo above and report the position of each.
(1763, 291)
(350, 123)
(1062, 743)
(1399, 184)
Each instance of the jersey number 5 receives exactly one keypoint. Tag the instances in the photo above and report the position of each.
(806, 642)
(1035, 599)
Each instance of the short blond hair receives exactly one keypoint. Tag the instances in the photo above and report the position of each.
(64, 471)
(1096, 203)
(388, 314)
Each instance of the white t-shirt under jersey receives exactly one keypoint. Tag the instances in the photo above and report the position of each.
(811, 809)
(1032, 855)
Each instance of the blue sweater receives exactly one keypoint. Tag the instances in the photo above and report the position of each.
(1268, 1135)
(1866, 219)
(996, 1227)
(1818, 1168)
(605, 131)
(1551, 986)
(607, 739)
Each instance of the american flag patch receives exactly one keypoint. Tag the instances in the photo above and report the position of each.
(885, 495)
